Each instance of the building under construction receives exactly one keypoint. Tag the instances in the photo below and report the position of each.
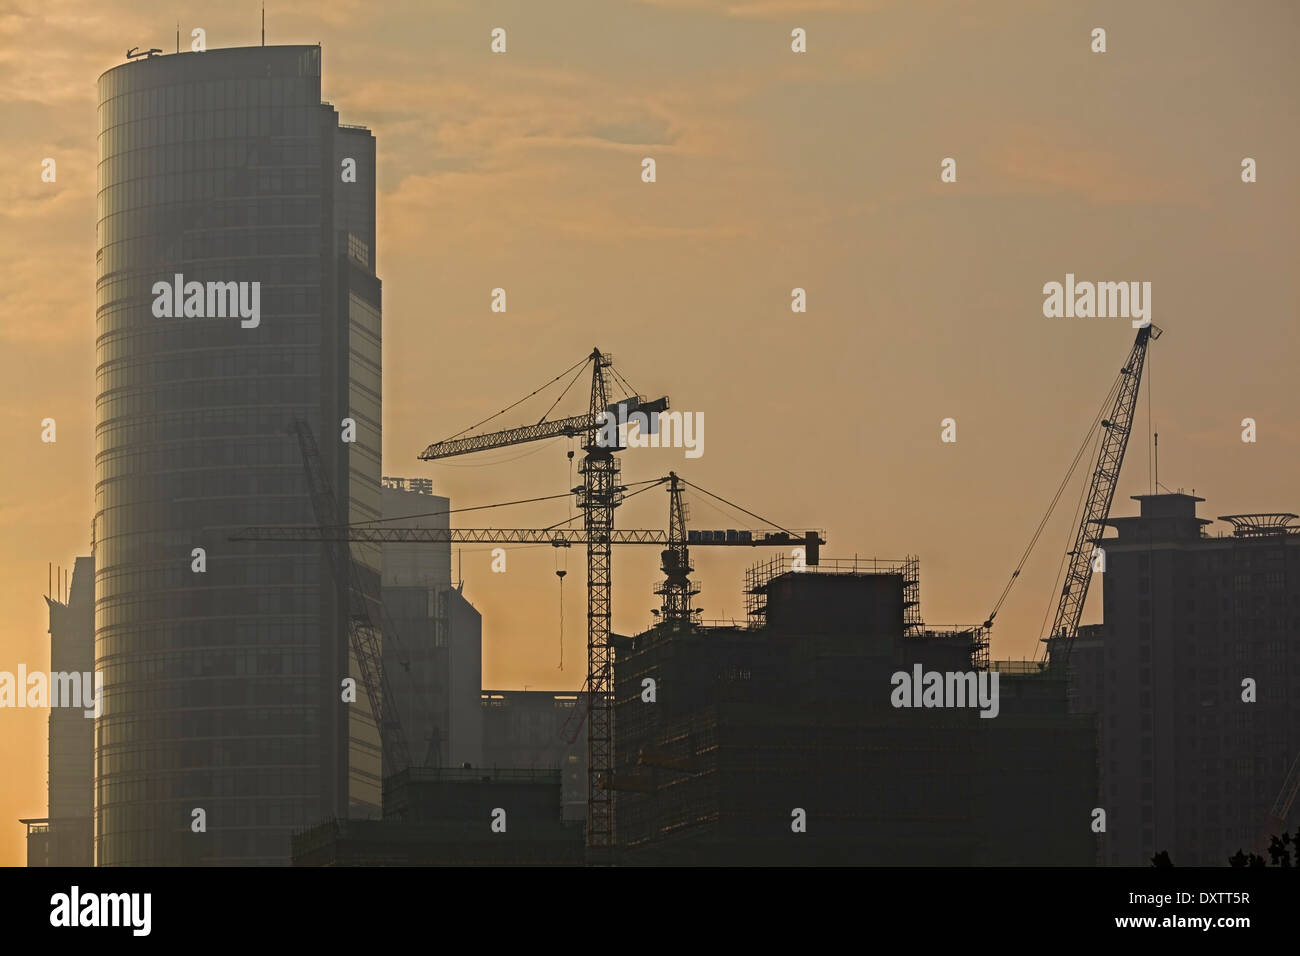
(777, 743)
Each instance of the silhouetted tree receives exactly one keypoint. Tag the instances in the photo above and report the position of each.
(1241, 860)
(1279, 850)
(1161, 861)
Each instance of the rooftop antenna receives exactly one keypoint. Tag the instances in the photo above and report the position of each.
(178, 36)
(264, 24)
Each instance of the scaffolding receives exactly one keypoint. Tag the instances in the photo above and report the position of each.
(760, 576)
(976, 634)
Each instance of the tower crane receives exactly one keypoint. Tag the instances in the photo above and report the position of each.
(1096, 508)
(598, 496)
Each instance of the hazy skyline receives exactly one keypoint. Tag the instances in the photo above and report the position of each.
(774, 171)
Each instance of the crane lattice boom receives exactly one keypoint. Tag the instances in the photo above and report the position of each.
(1101, 493)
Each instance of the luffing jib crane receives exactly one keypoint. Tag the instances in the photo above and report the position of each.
(1096, 506)
(1101, 494)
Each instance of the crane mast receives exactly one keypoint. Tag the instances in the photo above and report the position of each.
(676, 589)
(1101, 493)
(598, 496)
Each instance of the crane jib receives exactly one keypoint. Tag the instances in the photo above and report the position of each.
(1101, 493)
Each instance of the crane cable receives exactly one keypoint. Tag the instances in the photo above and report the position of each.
(1042, 524)
(1054, 594)
(751, 514)
(562, 394)
(560, 574)
(1153, 473)
(452, 511)
(520, 402)
(649, 483)
(621, 380)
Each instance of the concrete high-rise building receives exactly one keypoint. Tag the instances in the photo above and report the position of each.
(64, 837)
(1188, 765)
(440, 632)
(226, 184)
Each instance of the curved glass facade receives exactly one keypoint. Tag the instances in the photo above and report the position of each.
(221, 685)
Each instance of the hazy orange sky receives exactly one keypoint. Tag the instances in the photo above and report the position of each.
(775, 170)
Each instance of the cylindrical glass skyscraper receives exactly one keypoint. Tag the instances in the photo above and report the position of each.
(219, 178)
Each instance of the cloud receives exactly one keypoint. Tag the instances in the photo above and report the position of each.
(556, 153)
(51, 51)
(1052, 158)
